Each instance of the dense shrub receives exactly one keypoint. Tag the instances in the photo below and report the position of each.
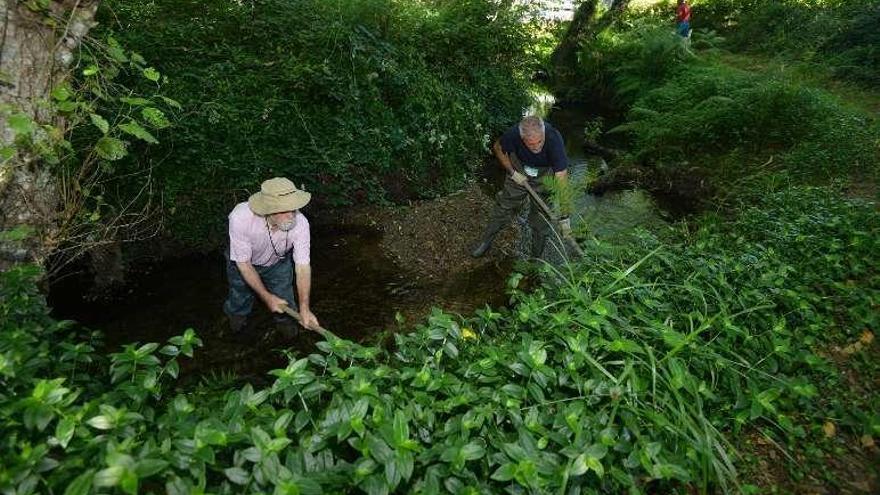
(627, 372)
(841, 34)
(709, 108)
(683, 101)
(354, 99)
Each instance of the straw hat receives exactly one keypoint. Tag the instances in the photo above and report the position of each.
(278, 195)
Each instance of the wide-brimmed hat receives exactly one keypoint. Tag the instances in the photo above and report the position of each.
(278, 195)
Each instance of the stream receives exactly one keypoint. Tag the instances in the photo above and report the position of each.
(358, 291)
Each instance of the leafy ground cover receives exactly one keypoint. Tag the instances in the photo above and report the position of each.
(640, 368)
(660, 365)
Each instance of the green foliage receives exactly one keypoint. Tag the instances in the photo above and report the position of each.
(627, 373)
(91, 120)
(709, 108)
(682, 104)
(841, 34)
(358, 100)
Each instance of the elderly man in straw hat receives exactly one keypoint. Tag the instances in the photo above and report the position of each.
(528, 151)
(266, 235)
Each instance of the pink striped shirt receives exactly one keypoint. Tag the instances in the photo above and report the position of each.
(249, 238)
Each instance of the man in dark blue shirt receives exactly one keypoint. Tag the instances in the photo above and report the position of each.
(528, 151)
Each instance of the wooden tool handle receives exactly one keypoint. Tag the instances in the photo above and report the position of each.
(296, 316)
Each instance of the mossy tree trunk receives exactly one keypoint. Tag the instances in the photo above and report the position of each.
(37, 45)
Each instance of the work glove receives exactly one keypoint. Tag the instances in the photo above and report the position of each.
(519, 178)
(565, 227)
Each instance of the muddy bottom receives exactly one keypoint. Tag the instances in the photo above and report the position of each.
(359, 290)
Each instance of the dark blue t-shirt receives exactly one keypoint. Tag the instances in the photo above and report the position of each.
(551, 155)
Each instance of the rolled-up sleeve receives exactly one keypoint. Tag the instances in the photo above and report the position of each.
(240, 248)
(301, 241)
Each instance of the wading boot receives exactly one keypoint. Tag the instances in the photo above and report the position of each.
(481, 249)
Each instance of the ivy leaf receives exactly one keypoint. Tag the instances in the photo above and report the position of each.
(151, 74)
(155, 117)
(137, 131)
(21, 124)
(110, 148)
(61, 93)
(100, 122)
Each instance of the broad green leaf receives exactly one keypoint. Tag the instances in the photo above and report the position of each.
(151, 74)
(579, 465)
(401, 428)
(148, 467)
(172, 103)
(110, 148)
(100, 423)
(135, 101)
(81, 485)
(64, 431)
(472, 451)
(596, 451)
(281, 423)
(110, 476)
(237, 475)
(505, 472)
(100, 122)
(155, 117)
(61, 93)
(596, 466)
(137, 131)
(392, 473)
(364, 467)
(21, 124)
(129, 482)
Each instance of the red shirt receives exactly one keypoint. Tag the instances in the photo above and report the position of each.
(683, 14)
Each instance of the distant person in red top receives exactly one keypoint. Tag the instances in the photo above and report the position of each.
(683, 17)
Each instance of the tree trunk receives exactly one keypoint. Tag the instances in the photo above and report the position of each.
(564, 59)
(36, 50)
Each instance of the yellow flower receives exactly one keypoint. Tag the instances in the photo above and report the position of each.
(467, 333)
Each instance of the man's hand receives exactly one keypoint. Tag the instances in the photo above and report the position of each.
(565, 227)
(519, 178)
(275, 304)
(309, 320)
